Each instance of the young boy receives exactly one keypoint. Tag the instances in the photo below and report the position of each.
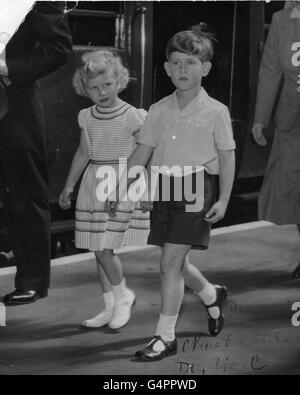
(188, 130)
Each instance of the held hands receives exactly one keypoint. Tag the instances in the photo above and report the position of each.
(258, 135)
(216, 213)
(111, 205)
(64, 200)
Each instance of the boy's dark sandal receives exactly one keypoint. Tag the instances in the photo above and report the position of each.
(18, 297)
(148, 354)
(216, 325)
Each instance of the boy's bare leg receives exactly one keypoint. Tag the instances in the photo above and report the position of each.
(172, 291)
(193, 278)
(213, 296)
(171, 274)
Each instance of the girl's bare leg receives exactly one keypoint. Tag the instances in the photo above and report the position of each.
(111, 266)
(103, 279)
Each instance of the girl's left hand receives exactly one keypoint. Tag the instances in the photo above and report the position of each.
(216, 213)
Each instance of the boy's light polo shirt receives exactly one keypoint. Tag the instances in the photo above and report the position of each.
(191, 137)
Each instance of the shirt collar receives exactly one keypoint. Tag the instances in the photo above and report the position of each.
(201, 99)
(295, 13)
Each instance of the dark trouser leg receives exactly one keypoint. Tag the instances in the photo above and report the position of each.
(296, 272)
(28, 217)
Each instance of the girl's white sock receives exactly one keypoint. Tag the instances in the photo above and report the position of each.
(119, 291)
(108, 301)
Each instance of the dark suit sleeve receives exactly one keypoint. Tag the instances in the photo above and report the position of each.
(270, 75)
(49, 28)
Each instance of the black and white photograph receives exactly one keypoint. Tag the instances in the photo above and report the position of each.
(149, 190)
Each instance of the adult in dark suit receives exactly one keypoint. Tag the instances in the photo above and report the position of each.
(41, 45)
(279, 200)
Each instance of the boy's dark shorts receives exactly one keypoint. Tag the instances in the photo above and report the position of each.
(170, 223)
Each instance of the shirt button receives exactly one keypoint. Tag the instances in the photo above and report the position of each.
(7, 189)
(173, 137)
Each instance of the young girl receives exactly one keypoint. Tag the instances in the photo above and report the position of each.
(108, 132)
(186, 130)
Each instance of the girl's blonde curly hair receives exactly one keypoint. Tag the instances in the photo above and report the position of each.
(96, 63)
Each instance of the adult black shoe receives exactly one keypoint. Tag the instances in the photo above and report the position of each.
(296, 272)
(149, 354)
(216, 325)
(18, 297)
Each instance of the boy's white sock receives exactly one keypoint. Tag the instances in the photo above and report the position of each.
(105, 316)
(209, 296)
(166, 328)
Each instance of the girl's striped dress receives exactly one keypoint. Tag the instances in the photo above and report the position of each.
(110, 134)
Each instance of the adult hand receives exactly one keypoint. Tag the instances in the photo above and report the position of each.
(3, 66)
(216, 213)
(3, 69)
(258, 135)
(64, 200)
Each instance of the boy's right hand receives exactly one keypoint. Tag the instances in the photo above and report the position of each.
(64, 200)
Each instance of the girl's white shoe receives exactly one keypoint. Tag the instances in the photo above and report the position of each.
(99, 321)
(122, 311)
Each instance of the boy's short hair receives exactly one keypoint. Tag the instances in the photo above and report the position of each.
(198, 41)
(95, 63)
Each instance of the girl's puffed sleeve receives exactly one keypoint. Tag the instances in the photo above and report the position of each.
(136, 120)
(82, 119)
(82, 122)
